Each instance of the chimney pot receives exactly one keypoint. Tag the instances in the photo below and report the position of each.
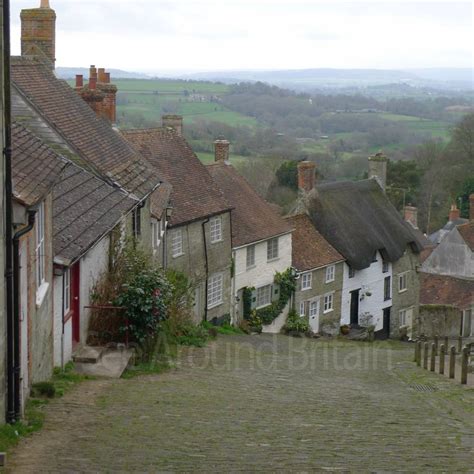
(79, 80)
(173, 121)
(411, 215)
(107, 78)
(44, 4)
(221, 150)
(454, 213)
(306, 175)
(101, 75)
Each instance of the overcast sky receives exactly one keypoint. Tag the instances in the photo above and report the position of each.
(192, 35)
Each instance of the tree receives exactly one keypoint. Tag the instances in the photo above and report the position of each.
(462, 139)
(463, 197)
(287, 174)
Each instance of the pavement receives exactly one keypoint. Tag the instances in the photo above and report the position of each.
(262, 403)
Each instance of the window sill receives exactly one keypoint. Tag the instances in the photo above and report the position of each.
(330, 281)
(177, 255)
(387, 299)
(41, 293)
(306, 289)
(273, 259)
(328, 311)
(215, 305)
(250, 267)
(263, 306)
(403, 291)
(217, 241)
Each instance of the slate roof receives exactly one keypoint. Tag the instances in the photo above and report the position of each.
(439, 235)
(35, 167)
(253, 219)
(194, 195)
(90, 138)
(85, 209)
(467, 233)
(446, 290)
(358, 219)
(310, 249)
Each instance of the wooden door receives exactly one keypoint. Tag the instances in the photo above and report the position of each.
(75, 303)
(355, 307)
(386, 323)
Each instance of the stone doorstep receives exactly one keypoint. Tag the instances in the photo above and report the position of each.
(112, 364)
(88, 354)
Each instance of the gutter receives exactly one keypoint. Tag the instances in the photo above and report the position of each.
(206, 266)
(8, 193)
(16, 312)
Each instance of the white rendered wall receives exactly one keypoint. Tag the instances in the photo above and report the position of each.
(369, 280)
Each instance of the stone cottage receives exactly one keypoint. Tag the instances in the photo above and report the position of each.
(320, 270)
(381, 250)
(261, 241)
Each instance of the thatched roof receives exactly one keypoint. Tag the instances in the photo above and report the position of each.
(358, 219)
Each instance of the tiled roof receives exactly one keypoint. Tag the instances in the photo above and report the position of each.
(85, 209)
(90, 137)
(310, 249)
(194, 195)
(35, 167)
(160, 199)
(252, 217)
(446, 290)
(467, 233)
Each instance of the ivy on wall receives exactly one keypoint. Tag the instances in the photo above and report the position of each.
(285, 281)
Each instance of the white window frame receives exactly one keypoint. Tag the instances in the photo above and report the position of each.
(314, 308)
(302, 311)
(177, 243)
(402, 317)
(215, 229)
(250, 256)
(402, 282)
(351, 272)
(67, 290)
(272, 249)
(385, 266)
(262, 293)
(40, 247)
(328, 302)
(330, 273)
(215, 290)
(306, 281)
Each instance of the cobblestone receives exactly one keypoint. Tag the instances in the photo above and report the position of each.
(262, 403)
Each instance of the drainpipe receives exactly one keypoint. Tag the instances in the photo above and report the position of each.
(7, 152)
(206, 259)
(16, 310)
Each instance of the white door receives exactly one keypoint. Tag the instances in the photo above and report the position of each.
(23, 326)
(313, 311)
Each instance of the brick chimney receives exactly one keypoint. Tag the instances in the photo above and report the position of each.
(99, 93)
(454, 213)
(378, 169)
(471, 207)
(173, 121)
(306, 176)
(38, 32)
(221, 151)
(411, 215)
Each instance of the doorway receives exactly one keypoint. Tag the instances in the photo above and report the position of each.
(75, 303)
(355, 307)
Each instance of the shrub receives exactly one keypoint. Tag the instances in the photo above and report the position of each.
(296, 323)
(43, 389)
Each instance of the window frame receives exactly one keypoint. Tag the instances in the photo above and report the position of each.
(351, 272)
(302, 311)
(387, 288)
(137, 222)
(215, 229)
(174, 234)
(258, 291)
(305, 277)
(250, 252)
(272, 249)
(385, 266)
(328, 302)
(330, 273)
(215, 280)
(67, 291)
(314, 302)
(402, 277)
(404, 317)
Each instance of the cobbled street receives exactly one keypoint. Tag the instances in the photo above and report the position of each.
(262, 403)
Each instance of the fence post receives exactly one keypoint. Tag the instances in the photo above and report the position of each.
(442, 354)
(464, 361)
(433, 355)
(446, 343)
(459, 344)
(452, 362)
(425, 355)
(436, 341)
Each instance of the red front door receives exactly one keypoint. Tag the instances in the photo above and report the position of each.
(75, 303)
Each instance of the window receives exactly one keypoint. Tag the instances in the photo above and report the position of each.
(402, 282)
(250, 256)
(264, 296)
(386, 291)
(328, 302)
(216, 229)
(67, 290)
(272, 249)
(314, 308)
(374, 257)
(306, 281)
(40, 246)
(302, 309)
(352, 272)
(330, 273)
(403, 317)
(137, 221)
(385, 266)
(177, 243)
(155, 233)
(215, 290)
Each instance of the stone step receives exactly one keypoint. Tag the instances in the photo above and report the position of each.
(112, 364)
(88, 354)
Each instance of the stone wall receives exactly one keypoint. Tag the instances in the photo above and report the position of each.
(439, 320)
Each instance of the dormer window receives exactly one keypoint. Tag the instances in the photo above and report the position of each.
(352, 272)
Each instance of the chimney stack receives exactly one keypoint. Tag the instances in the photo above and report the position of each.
(454, 213)
(79, 81)
(38, 33)
(411, 215)
(221, 151)
(306, 176)
(471, 207)
(173, 121)
(378, 169)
